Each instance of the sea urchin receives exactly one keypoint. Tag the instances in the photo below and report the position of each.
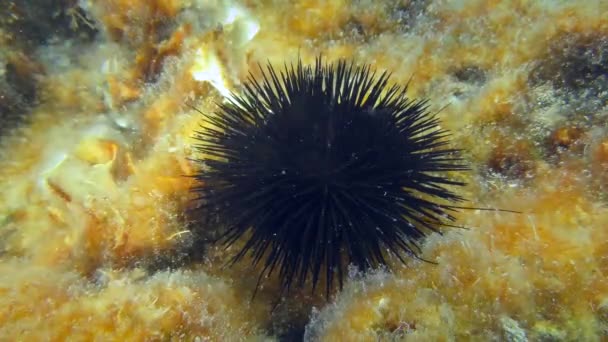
(318, 167)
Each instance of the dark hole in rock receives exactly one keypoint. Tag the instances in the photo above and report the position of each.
(565, 139)
(21, 75)
(18, 89)
(408, 12)
(513, 160)
(574, 62)
(511, 166)
(576, 66)
(11, 109)
(355, 28)
(38, 21)
(470, 74)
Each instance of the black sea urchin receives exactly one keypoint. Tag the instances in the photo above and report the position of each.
(319, 167)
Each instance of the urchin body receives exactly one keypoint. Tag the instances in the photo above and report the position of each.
(318, 167)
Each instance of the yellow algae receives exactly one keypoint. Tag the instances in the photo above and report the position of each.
(121, 91)
(499, 278)
(42, 303)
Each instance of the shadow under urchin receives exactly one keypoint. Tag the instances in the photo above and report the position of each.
(318, 167)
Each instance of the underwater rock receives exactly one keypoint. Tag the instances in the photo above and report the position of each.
(35, 22)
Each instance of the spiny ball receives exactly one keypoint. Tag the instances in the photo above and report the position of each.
(317, 167)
